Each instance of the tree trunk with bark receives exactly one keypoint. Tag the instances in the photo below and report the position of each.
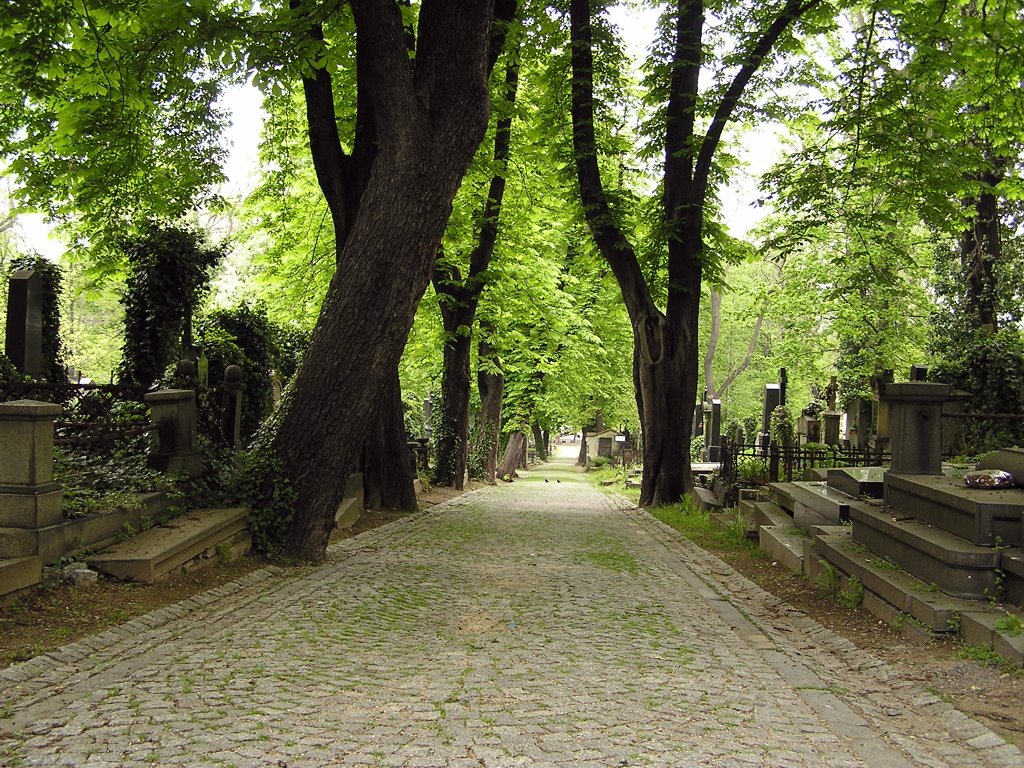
(513, 455)
(451, 434)
(540, 442)
(491, 385)
(428, 121)
(387, 468)
(980, 252)
(665, 357)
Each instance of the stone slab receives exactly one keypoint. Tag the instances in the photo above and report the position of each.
(978, 628)
(783, 545)
(770, 513)
(810, 503)
(1011, 561)
(99, 530)
(158, 551)
(857, 481)
(348, 512)
(930, 554)
(705, 499)
(983, 517)
(19, 573)
(901, 590)
(1010, 647)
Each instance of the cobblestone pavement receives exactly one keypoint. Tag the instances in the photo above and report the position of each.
(537, 624)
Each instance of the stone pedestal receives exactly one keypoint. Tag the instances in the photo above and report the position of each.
(29, 498)
(174, 440)
(830, 435)
(914, 413)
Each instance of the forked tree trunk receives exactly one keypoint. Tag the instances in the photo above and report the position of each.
(665, 364)
(429, 123)
(387, 469)
(513, 455)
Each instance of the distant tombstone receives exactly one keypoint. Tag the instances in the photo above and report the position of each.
(712, 447)
(919, 373)
(783, 380)
(772, 400)
(831, 391)
(858, 419)
(24, 339)
(232, 424)
(831, 432)
(813, 431)
(203, 366)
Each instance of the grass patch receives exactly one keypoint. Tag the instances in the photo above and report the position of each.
(697, 525)
(621, 562)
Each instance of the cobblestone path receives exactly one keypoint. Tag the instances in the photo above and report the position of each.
(537, 624)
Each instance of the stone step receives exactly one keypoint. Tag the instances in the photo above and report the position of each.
(811, 503)
(906, 594)
(1011, 561)
(705, 499)
(19, 573)
(932, 555)
(785, 544)
(770, 513)
(984, 517)
(18, 542)
(159, 551)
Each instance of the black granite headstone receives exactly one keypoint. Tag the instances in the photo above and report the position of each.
(24, 342)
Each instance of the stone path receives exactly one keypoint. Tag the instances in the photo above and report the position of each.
(538, 624)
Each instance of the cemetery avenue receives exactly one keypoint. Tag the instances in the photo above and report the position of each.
(534, 624)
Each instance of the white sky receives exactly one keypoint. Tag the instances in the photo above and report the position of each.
(758, 150)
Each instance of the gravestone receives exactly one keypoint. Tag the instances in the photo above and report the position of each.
(713, 444)
(881, 417)
(914, 412)
(232, 415)
(24, 339)
(858, 419)
(772, 400)
(830, 434)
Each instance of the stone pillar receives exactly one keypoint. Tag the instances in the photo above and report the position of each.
(29, 498)
(232, 416)
(831, 432)
(915, 419)
(24, 339)
(174, 441)
(772, 400)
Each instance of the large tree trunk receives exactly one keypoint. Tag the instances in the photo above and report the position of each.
(513, 455)
(387, 469)
(428, 125)
(665, 362)
(452, 433)
(540, 442)
(491, 385)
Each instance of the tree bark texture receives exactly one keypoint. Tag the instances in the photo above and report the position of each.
(539, 442)
(452, 431)
(387, 469)
(429, 122)
(491, 386)
(513, 454)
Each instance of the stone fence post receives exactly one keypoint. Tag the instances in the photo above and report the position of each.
(174, 439)
(29, 497)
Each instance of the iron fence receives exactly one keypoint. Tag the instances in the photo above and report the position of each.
(752, 466)
(95, 417)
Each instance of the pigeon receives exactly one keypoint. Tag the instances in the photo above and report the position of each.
(546, 480)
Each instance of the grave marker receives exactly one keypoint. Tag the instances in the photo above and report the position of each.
(24, 338)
